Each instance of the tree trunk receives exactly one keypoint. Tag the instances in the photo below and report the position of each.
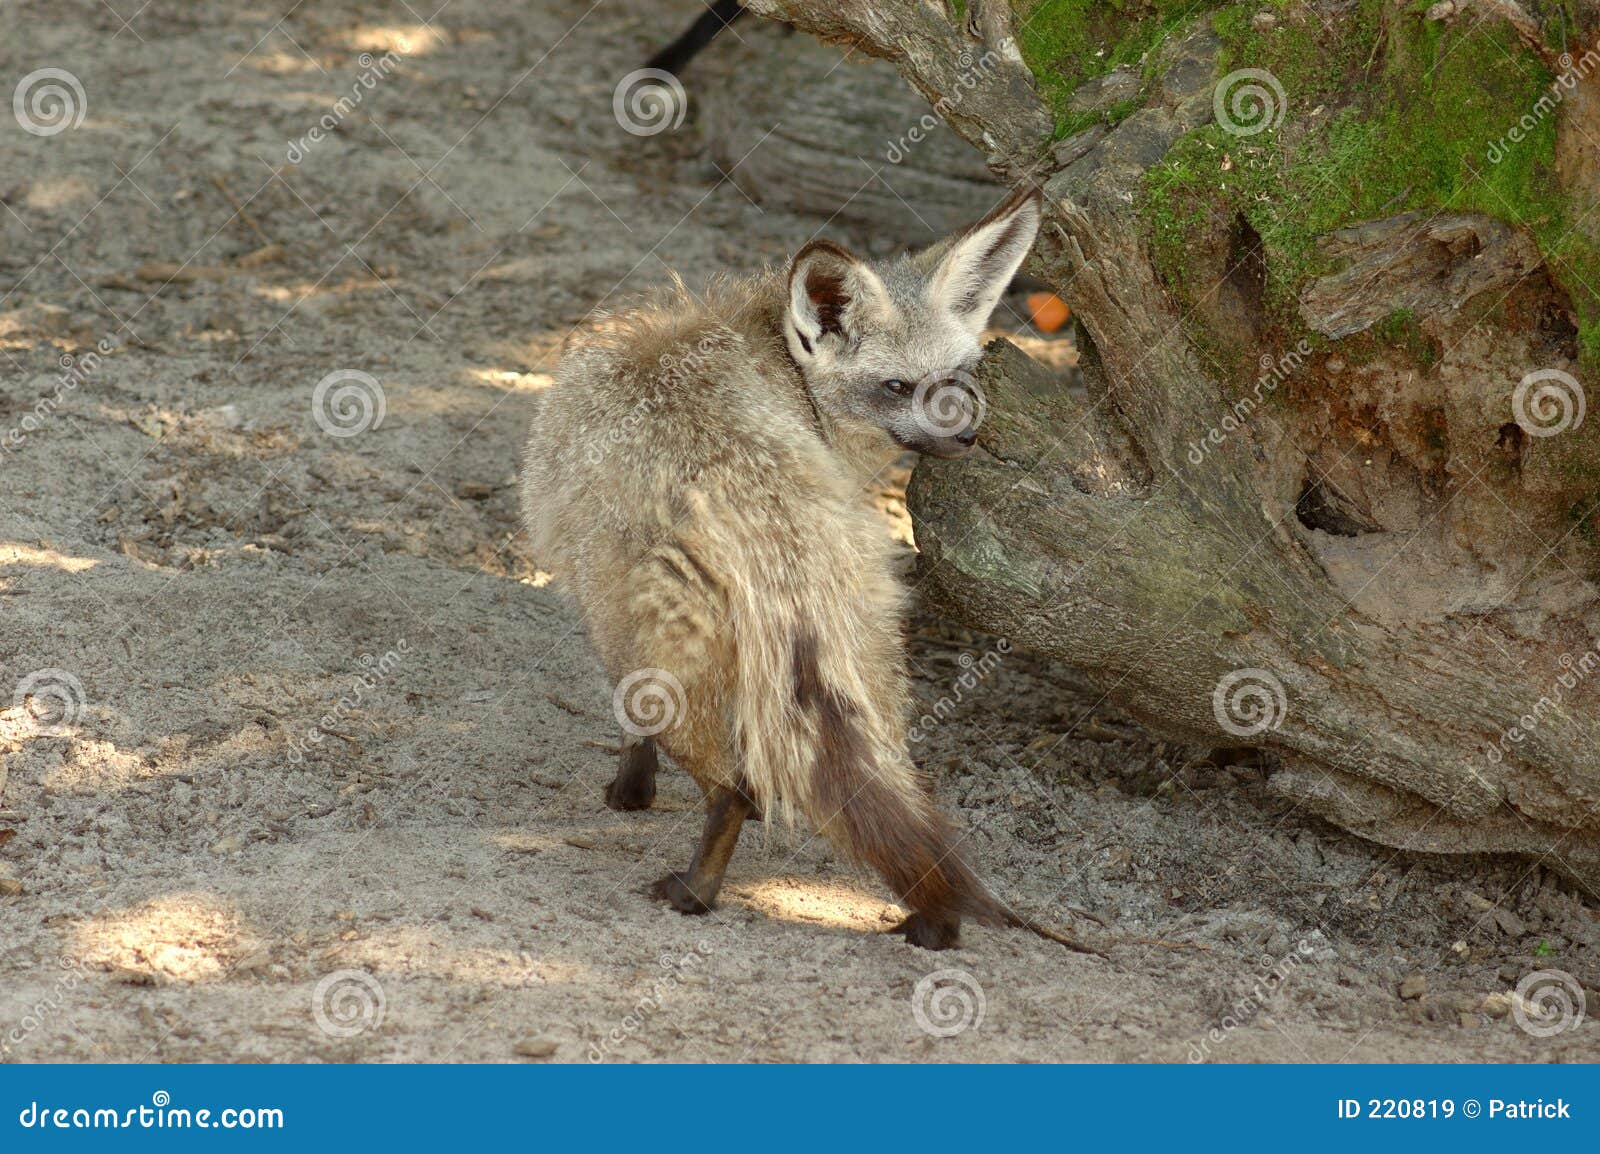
(794, 124)
(1331, 492)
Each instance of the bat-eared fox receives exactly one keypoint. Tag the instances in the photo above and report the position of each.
(697, 477)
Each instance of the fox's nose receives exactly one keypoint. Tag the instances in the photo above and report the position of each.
(966, 438)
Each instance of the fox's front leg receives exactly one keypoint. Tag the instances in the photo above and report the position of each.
(634, 787)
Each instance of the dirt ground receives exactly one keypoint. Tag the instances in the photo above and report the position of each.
(306, 755)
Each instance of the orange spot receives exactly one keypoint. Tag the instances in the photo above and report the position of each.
(1048, 311)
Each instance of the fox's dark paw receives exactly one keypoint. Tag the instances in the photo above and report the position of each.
(929, 932)
(674, 890)
(626, 793)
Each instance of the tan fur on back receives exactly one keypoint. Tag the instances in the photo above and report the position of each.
(679, 485)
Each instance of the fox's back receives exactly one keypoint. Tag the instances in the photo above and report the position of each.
(673, 398)
(676, 466)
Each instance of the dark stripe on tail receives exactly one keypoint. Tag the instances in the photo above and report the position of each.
(904, 838)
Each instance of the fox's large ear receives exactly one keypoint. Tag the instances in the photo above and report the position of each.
(830, 290)
(975, 266)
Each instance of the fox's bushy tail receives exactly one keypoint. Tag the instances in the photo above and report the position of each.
(865, 793)
(818, 710)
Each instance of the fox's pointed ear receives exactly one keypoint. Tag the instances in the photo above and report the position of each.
(975, 266)
(830, 291)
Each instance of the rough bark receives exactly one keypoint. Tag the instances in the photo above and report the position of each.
(1383, 576)
(802, 126)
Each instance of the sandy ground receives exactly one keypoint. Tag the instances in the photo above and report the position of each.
(307, 754)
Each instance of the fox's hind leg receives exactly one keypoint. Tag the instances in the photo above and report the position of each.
(694, 891)
(634, 787)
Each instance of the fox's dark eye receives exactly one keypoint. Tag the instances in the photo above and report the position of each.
(899, 388)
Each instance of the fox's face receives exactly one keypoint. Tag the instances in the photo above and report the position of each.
(888, 350)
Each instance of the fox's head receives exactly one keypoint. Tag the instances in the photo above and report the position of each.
(888, 349)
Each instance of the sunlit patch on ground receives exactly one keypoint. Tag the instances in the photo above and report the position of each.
(48, 195)
(815, 903)
(516, 382)
(404, 39)
(13, 553)
(524, 842)
(186, 938)
(96, 765)
(285, 63)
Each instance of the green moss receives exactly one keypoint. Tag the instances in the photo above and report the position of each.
(1179, 206)
(1589, 343)
(1428, 129)
(1384, 112)
(1400, 330)
(1582, 516)
(1210, 179)
(1314, 62)
(1066, 42)
(1289, 195)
